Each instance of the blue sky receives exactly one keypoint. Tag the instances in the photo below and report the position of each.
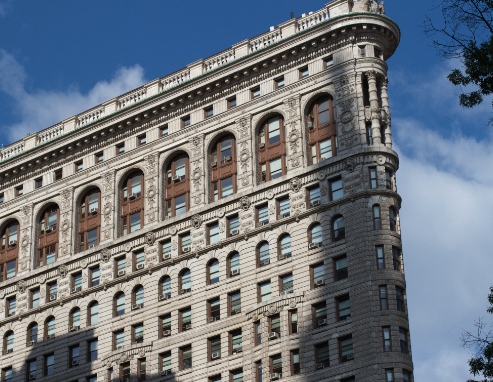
(59, 58)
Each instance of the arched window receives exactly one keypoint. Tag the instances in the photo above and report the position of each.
(393, 219)
(32, 333)
(8, 342)
(285, 247)
(177, 186)
(233, 264)
(48, 236)
(9, 251)
(213, 272)
(322, 130)
(165, 287)
(272, 149)
(315, 234)
(377, 223)
(50, 327)
(223, 166)
(93, 313)
(338, 228)
(132, 200)
(75, 318)
(119, 304)
(89, 220)
(185, 281)
(138, 296)
(263, 254)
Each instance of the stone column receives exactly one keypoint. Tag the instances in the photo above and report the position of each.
(374, 106)
(386, 114)
(294, 133)
(244, 153)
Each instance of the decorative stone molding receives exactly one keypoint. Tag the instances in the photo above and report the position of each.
(274, 307)
(62, 271)
(21, 286)
(295, 184)
(105, 255)
(196, 221)
(245, 203)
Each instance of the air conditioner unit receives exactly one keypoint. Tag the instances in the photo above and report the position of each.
(262, 145)
(215, 355)
(164, 297)
(165, 372)
(75, 363)
(235, 232)
(92, 246)
(265, 222)
(53, 227)
(235, 272)
(236, 311)
(31, 343)
(139, 339)
(51, 336)
(166, 217)
(140, 266)
(167, 256)
(238, 350)
(312, 246)
(93, 211)
(320, 282)
(13, 243)
(273, 335)
(186, 249)
(285, 293)
(137, 306)
(322, 322)
(8, 351)
(228, 159)
(76, 289)
(285, 215)
(265, 262)
(188, 326)
(315, 203)
(47, 230)
(274, 376)
(74, 328)
(176, 178)
(120, 347)
(166, 333)
(310, 125)
(348, 357)
(121, 273)
(211, 319)
(32, 377)
(319, 366)
(183, 291)
(132, 195)
(344, 318)
(214, 164)
(282, 257)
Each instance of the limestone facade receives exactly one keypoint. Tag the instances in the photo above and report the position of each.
(306, 197)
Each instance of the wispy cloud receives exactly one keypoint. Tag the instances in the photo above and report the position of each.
(4, 6)
(39, 109)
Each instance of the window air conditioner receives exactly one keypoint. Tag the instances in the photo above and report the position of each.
(132, 195)
(274, 376)
(31, 343)
(140, 266)
(235, 232)
(265, 222)
(211, 319)
(186, 250)
(53, 227)
(273, 335)
(285, 293)
(265, 262)
(75, 363)
(166, 333)
(282, 257)
(215, 355)
(164, 297)
(166, 217)
(286, 215)
(322, 322)
(74, 328)
(137, 306)
(139, 339)
(262, 145)
(315, 203)
(47, 230)
(92, 246)
(176, 178)
(312, 246)
(188, 326)
(183, 291)
(320, 282)
(119, 347)
(76, 289)
(32, 377)
(228, 159)
(121, 272)
(320, 366)
(165, 372)
(167, 256)
(310, 125)
(8, 351)
(348, 357)
(51, 336)
(93, 210)
(13, 243)
(235, 272)
(236, 311)
(214, 164)
(238, 350)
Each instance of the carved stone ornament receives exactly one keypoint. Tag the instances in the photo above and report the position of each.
(150, 238)
(65, 226)
(142, 352)
(344, 80)
(349, 165)
(62, 271)
(2, 295)
(196, 176)
(173, 230)
(21, 286)
(42, 279)
(321, 175)
(245, 203)
(150, 162)
(381, 160)
(347, 116)
(221, 212)
(347, 104)
(151, 193)
(108, 180)
(295, 184)
(128, 247)
(83, 264)
(196, 221)
(105, 255)
(107, 211)
(26, 212)
(244, 159)
(66, 197)
(24, 242)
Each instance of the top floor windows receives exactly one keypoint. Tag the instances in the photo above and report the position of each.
(322, 130)
(272, 149)
(185, 122)
(132, 201)
(223, 167)
(177, 186)
(48, 236)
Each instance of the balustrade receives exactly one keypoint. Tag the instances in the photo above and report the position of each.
(265, 40)
(91, 116)
(12, 150)
(313, 18)
(175, 79)
(132, 98)
(49, 134)
(219, 60)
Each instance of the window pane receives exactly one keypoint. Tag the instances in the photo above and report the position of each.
(214, 233)
(135, 222)
(314, 195)
(234, 262)
(135, 185)
(264, 253)
(227, 187)
(265, 292)
(274, 130)
(214, 272)
(186, 281)
(181, 168)
(139, 295)
(323, 117)
(318, 273)
(326, 149)
(286, 246)
(263, 214)
(180, 205)
(287, 283)
(336, 187)
(166, 286)
(92, 238)
(317, 233)
(275, 168)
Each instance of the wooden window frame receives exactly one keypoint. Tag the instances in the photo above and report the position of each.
(228, 224)
(326, 60)
(162, 129)
(394, 221)
(89, 349)
(141, 138)
(374, 218)
(391, 370)
(312, 274)
(46, 326)
(161, 328)
(131, 207)
(176, 189)
(58, 174)
(232, 372)
(406, 332)
(257, 324)
(389, 183)
(72, 314)
(118, 147)
(76, 166)
(134, 328)
(223, 170)
(228, 263)
(181, 351)
(230, 339)
(180, 242)
(259, 290)
(317, 351)
(301, 70)
(253, 91)
(336, 278)
(290, 321)
(10, 252)
(115, 334)
(331, 181)
(37, 182)
(207, 110)
(271, 363)
(339, 299)
(183, 121)
(115, 299)
(272, 318)
(5, 337)
(341, 236)
(314, 313)
(161, 356)
(258, 376)
(209, 346)
(96, 157)
(281, 284)
(321, 133)
(397, 261)
(180, 318)
(230, 301)
(403, 301)
(380, 288)
(362, 51)
(91, 271)
(339, 343)
(209, 305)
(369, 134)
(377, 247)
(89, 315)
(371, 178)
(2, 197)
(273, 152)
(229, 103)
(45, 364)
(19, 191)
(30, 334)
(180, 277)
(89, 222)
(291, 357)
(277, 81)
(383, 338)
(8, 303)
(122, 367)
(71, 357)
(31, 297)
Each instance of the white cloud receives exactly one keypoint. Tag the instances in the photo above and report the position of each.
(40, 109)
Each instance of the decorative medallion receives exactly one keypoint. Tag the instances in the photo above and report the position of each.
(269, 195)
(83, 264)
(349, 165)
(295, 184)
(42, 279)
(245, 203)
(62, 271)
(150, 238)
(321, 175)
(221, 212)
(381, 160)
(347, 116)
(128, 247)
(21, 286)
(196, 221)
(105, 255)
(173, 230)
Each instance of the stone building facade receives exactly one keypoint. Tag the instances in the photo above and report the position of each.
(236, 220)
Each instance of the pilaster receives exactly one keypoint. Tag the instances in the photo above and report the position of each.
(374, 106)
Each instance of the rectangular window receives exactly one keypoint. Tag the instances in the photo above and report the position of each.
(135, 222)
(49, 361)
(213, 233)
(369, 134)
(293, 321)
(35, 296)
(166, 249)
(380, 257)
(399, 295)
(233, 223)
(336, 191)
(384, 304)
(58, 174)
(120, 149)
(396, 259)
(165, 325)
(387, 343)
(79, 166)
(234, 303)
(7, 374)
(214, 344)
(11, 269)
(319, 312)
(255, 93)
(99, 157)
(275, 325)
(94, 276)
(165, 362)
(279, 83)
(185, 317)
(93, 351)
(38, 183)
(340, 267)
(322, 355)
(275, 168)
(231, 103)
(76, 282)
(389, 374)
(264, 292)
(52, 291)
(389, 183)
(276, 364)
(362, 51)
(209, 112)
(1, 198)
(328, 62)
(163, 131)
(406, 376)
(304, 73)
(373, 177)
(343, 307)
(283, 207)
(235, 342)
(138, 333)
(237, 375)
(118, 339)
(314, 196)
(263, 215)
(31, 369)
(19, 191)
(317, 275)
(257, 330)
(214, 309)
(125, 371)
(346, 348)
(185, 242)
(286, 284)
(141, 369)
(185, 122)
(186, 357)
(295, 362)
(139, 259)
(258, 371)
(120, 265)
(74, 356)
